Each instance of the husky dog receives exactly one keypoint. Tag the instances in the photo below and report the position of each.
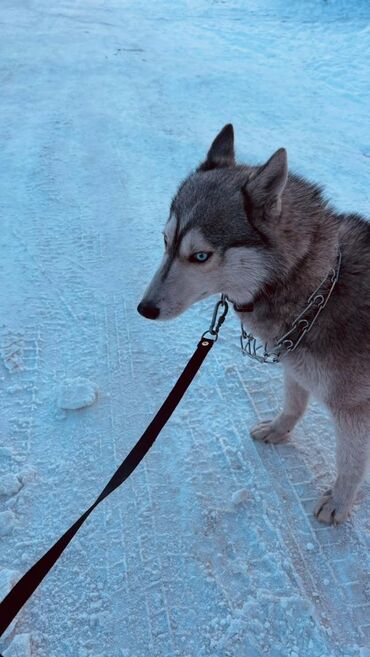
(267, 239)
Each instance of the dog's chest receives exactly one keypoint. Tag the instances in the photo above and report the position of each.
(310, 374)
(305, 368)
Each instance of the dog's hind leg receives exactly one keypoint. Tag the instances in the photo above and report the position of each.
(353, 455)
(295, 402)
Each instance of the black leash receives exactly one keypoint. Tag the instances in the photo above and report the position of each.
(28, 584)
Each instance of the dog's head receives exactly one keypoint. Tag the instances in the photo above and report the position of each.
(213, 239)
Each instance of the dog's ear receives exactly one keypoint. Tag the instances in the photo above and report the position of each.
(265, 188)
(221, 154)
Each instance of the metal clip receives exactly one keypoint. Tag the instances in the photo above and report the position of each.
(217, 320)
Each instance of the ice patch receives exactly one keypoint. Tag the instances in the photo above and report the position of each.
(9, 485)
(19, 647)
(7, 520)
(77, 393)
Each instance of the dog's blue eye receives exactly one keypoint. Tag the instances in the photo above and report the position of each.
(201, 256)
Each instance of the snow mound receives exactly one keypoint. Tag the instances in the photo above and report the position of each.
(9, 485)
(240, 497)
(7, 520)
(77, 393)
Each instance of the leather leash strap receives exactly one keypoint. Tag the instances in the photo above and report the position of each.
(28, 584)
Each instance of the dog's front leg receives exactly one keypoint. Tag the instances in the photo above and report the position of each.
(353, 453)
(295, 402)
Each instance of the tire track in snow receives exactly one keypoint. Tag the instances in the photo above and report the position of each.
(317, 552)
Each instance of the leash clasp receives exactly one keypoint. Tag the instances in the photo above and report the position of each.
(217, 319)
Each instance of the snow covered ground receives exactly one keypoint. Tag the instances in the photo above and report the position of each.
(210, 549)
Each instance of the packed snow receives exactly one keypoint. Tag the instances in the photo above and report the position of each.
(77, 393)
(19, 647)
(210, 549)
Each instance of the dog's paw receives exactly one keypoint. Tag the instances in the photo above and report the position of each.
(267, 432)
(330, 510)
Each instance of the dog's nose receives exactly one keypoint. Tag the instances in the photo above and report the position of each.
(148, 310)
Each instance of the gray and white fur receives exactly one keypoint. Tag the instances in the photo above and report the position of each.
(267, 237)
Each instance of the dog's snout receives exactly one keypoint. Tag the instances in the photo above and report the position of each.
(148, 309)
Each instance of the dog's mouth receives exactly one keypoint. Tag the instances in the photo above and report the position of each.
(152, 310)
